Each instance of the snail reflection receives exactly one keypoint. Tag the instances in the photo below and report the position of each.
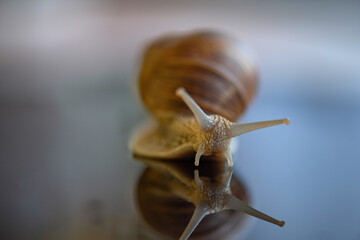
(178, 200)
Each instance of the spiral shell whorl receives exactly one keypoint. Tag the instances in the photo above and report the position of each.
(211, 67)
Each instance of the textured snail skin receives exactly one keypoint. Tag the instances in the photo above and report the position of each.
(196, 87)
(181, 136)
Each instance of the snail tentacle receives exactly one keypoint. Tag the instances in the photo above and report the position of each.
(241, 128)
(204, 120)
(199, 152)
(198, 181)
(199, 213)
(227, 178)
(228, 157)
(236, 204)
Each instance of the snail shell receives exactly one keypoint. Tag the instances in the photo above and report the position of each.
(196, 87)
(210, 66)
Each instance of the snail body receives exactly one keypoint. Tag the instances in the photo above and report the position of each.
(196, 87)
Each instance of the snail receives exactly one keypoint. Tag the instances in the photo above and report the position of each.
(174, 198)
(195, 87)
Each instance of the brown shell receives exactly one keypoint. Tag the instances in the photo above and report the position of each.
(211, 67)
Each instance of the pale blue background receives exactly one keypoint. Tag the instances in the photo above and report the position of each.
(67, 109)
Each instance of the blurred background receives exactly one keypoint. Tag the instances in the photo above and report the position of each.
(68, 106)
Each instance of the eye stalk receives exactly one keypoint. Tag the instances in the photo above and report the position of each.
(205, 122)
(216, 131)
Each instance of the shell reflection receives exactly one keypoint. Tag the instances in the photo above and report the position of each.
(168, 191)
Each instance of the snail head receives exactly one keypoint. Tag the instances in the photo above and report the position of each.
(215, 132)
